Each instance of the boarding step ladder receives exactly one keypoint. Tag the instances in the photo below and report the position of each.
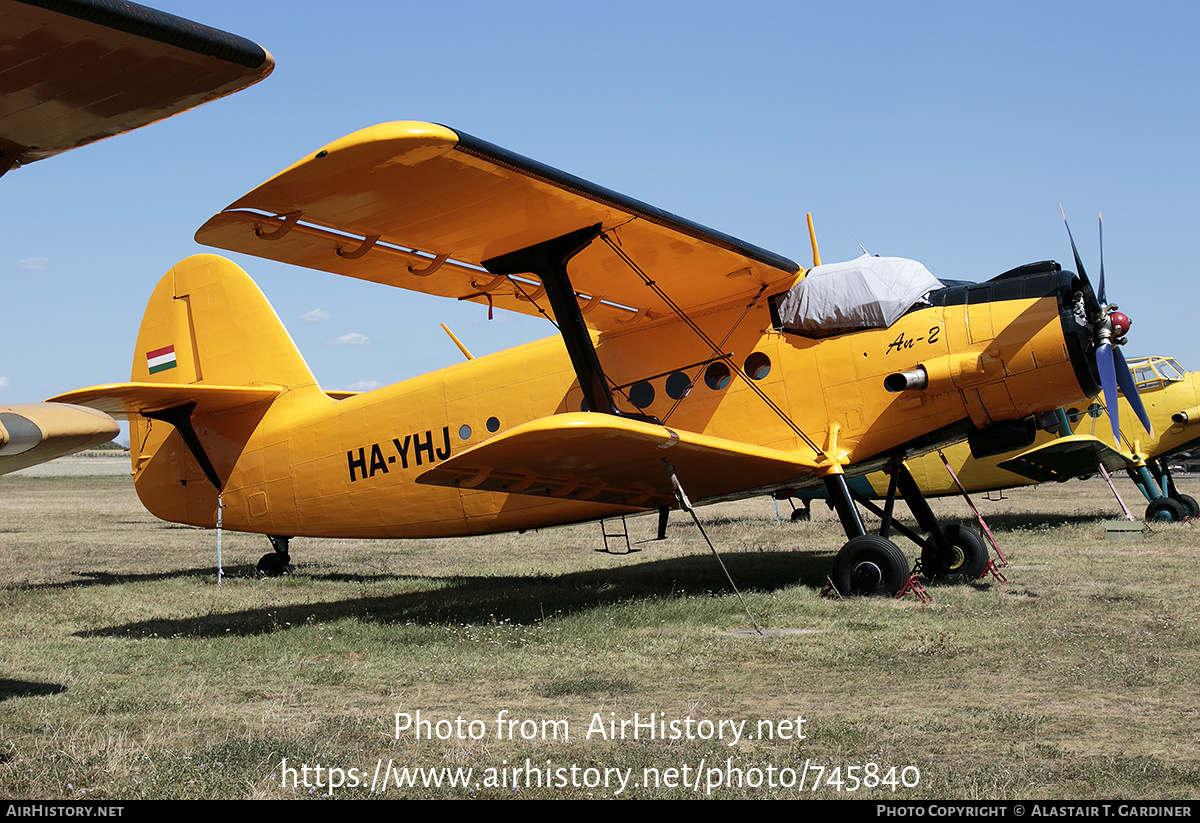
(609, 528)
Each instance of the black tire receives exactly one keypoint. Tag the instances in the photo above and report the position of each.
(1190, 506)
(800, 515)
(970, 558)
(870, 564)
(273, 564)
(1165, 510)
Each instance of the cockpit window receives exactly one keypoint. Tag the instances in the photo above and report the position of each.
(1171, 370)
(1155, 372)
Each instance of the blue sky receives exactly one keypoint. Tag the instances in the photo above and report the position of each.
(948, 133)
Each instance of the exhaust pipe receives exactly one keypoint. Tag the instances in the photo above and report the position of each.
(918, 378)
(956, 371)
(1186, 416)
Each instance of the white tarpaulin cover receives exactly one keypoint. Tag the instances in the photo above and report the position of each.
(866, 293)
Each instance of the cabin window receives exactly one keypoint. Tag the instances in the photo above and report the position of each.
(716, 376)
(678, 385)
(758, 365)
(641, 394)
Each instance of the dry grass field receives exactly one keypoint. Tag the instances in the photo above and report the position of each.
(127, 672)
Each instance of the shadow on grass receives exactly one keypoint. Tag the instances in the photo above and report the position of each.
(27, 688)
(94, 578)
(523, 599)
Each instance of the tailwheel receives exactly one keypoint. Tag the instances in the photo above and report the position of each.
(870, 564)
(968, 557)
(272, 565)
(277, 562)
(1165, 510)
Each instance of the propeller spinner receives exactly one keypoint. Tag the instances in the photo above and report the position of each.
(1109, 328)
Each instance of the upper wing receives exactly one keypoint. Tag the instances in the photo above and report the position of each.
(609, 459)
(419, 206)
(76, 71)
(1063, 458)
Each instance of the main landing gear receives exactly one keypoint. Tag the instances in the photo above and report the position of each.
(278, 561)
(1166, 504)
(872, 564)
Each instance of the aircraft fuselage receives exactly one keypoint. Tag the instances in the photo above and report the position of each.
(305, 464)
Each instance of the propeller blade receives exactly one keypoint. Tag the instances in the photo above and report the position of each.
(1108, 380)
(1103, 299)
(1129, 389)
(1074, 251)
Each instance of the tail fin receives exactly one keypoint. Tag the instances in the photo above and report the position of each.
(208, 323)
(211, 358)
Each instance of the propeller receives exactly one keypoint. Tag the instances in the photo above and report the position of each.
(1109, 328)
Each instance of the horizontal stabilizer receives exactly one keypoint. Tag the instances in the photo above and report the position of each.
(614, 460)
(126, 400)
(1076, 455)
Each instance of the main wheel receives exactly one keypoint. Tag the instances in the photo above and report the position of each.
(1190, 506)
(969, 556)
(870, 564)
(1165, 510)
(800, 515)
(273, 564)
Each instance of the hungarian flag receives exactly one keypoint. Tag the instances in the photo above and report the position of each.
(161, 359)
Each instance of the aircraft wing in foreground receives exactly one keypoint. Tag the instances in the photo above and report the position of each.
(77, 71)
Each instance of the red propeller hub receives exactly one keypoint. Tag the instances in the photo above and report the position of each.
(1121, 323)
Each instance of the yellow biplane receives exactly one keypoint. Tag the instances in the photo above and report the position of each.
(1077, 448)
(689, 365)
(74, 72)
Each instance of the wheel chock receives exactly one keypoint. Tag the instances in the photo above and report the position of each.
(994, 568)
(913, 586)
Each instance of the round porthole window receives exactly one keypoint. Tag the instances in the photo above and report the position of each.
(678, 385)
(716, 376)
(464, 432)
(641, 394)
(493, 424)
(758, 366)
